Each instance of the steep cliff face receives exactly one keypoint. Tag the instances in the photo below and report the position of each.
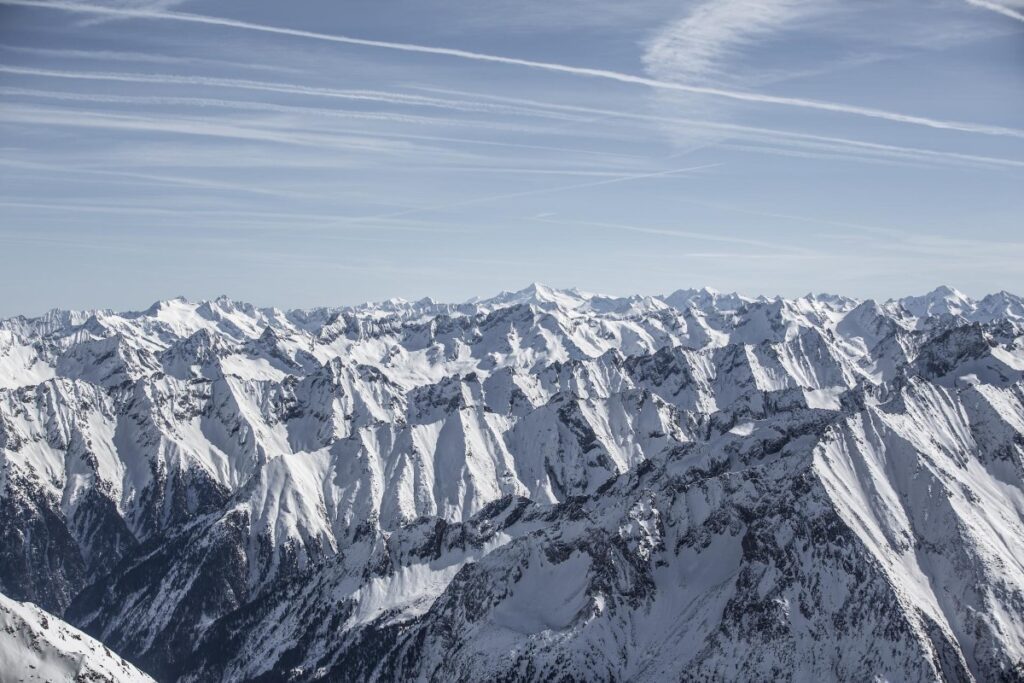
(543, 485)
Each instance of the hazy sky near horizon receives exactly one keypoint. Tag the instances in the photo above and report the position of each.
(332, 152)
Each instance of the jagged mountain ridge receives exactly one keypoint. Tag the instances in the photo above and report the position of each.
(191, 483)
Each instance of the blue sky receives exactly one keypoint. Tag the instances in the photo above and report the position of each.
(321, 153)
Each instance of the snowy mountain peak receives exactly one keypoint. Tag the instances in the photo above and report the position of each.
(942, 300)
(539, 295)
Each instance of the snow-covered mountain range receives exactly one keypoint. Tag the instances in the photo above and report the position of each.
(544, 485)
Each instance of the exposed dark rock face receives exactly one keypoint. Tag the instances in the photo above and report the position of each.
(39, 558)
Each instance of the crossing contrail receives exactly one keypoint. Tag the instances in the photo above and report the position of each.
(605, 74)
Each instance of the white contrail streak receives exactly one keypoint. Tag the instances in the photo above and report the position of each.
(995, 7)
(286, 88)
(771, 134)
(266, 107)
(530, 193)
(345, 139)
(398, 99)
(686, 234)
(136, 58)
(819, 105)
(195, 127)
(507, 105)
(149, 177)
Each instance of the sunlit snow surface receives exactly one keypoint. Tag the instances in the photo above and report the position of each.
(36, 646)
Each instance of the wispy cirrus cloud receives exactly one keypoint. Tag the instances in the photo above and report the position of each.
(707, 45)
(137, 5)
(696, 46)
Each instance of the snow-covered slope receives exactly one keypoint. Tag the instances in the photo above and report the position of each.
(37, 646)
(700, 485)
